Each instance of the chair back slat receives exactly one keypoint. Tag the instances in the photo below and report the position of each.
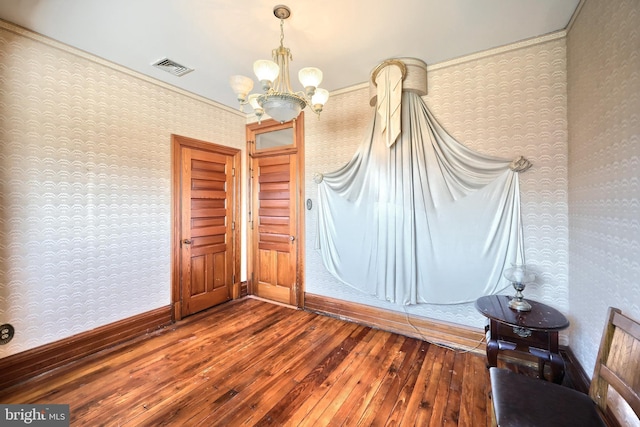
(627, 324)
(618, 364)
(623, 389)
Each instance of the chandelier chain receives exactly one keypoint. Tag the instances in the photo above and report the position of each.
(281, 32)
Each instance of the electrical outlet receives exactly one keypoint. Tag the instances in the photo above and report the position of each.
(6, 333)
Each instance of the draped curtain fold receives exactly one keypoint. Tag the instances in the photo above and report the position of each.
(424, 221)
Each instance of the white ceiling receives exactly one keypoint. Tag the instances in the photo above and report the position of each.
(344, 38)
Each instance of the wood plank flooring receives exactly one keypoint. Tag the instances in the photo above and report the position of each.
(253, 363)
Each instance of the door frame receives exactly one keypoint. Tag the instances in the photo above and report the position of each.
(177, 143)
(297, 149)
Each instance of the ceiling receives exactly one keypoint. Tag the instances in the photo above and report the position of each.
(345, 39)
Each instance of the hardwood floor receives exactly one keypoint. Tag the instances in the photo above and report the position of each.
(254, 363)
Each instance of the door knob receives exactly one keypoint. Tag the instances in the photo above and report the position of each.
(292, 238)
(187, 241)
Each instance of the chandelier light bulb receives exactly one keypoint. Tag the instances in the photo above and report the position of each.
(319, 99)
(310, 77)
(266, 71)
(241, 86)
(257, 109)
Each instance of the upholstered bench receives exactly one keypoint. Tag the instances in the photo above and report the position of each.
(523, 401)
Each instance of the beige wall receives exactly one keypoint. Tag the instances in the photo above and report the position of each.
(85, 180)
(603, 67)
(507, 102)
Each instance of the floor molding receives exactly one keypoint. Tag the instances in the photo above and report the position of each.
(435, 331)
(21, 366)
(581, 381)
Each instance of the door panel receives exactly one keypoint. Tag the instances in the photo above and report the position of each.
(207, 236)
(275, 234)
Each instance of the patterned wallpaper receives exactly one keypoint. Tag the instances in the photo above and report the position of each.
(507, 102)
(85, 180)
(603, 68)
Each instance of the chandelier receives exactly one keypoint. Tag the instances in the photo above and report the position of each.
(278, 100)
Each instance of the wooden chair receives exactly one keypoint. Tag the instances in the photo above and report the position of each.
(523, 401)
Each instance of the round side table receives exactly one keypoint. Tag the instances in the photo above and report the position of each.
(534, 332)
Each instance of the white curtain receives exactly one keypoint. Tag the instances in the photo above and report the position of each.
(424, 221)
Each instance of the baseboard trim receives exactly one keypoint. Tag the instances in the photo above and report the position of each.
(575, 371)
(28, 364)
(435, 331)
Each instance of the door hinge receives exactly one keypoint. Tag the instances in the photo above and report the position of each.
(233, 225)
(233, 278)
(233, 171)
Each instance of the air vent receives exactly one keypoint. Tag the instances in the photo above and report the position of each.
(172, 67)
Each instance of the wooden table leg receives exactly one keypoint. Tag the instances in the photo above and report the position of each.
(557, 368)
(492, 344)
(555, 360)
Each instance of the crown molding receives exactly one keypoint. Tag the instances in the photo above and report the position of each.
(21, 31)
(575, 16)
(500, 50)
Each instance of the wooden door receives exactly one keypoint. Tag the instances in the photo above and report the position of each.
(275, 231)
(206, 231)
(275, 214)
